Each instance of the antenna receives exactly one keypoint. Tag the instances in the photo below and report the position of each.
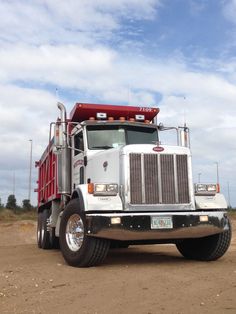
(184, 111)
(128, 94)
(57, 93)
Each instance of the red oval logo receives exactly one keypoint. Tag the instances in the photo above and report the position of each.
(158, 149)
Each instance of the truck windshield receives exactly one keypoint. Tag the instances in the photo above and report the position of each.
(110, 136)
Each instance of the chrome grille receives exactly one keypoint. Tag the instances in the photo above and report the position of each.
(182, 177)
(135, 178)
(159, 179)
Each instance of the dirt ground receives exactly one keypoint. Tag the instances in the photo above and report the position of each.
(140, 279)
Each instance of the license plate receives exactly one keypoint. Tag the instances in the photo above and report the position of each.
(161, 223)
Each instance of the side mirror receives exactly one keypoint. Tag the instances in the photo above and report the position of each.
(161, 127)
(184, 137)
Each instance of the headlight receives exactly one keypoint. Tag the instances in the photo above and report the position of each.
(112, 188)
(200, 188)
(105, 189)
(211, 188)
(206, 188)
(99, 188)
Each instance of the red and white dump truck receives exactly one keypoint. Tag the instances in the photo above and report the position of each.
(106, 181)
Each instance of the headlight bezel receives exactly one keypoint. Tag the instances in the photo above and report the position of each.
(206, 189)
(105, 189)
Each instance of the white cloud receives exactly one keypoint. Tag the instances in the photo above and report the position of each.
(70, 21)
(229, 10)
(197, 6)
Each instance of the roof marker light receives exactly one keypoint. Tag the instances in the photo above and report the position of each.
(110, 118)
(122, 119)
(139, 117)
(101, 115)
(131, 119)
(92, 118)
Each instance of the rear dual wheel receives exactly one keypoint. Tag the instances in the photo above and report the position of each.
(79, 249)
(46, 238)
(39, 230)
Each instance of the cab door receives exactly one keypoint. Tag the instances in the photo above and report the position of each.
(78, 169)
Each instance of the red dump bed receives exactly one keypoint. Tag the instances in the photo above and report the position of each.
(47, 179)
(82, 112)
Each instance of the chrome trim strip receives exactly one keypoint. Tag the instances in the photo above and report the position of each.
(160, 207)
(159, 178)
(143, 179)
(176, 180)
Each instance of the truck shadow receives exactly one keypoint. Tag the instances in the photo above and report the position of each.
(144, 255)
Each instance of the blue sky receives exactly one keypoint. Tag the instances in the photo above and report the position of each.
(175, 54)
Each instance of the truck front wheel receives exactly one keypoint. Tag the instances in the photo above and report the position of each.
(78, 249)
(208, 248)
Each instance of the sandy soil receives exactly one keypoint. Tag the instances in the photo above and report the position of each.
(140, 279)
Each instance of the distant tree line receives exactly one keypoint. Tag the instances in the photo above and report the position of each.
(12, 205)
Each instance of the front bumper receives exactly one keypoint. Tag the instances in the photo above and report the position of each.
(137, 226)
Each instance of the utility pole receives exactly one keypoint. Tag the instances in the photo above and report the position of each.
(199, 177)
(229, 205)
(30, 169)
(217, 172)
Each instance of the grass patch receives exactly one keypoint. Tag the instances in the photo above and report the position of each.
(232, 213)
(9, 215)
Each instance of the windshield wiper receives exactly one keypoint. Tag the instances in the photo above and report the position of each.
(102, 147)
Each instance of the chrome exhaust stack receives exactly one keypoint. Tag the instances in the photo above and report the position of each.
(63, 159)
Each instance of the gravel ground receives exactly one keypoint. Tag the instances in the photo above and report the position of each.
(141, 279)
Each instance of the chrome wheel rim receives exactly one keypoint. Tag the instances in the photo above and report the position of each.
(38, 234)
(74, 232)
(42, 232)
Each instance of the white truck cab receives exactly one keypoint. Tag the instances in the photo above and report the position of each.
(118, 185)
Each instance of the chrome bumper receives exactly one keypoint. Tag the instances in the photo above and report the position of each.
(137, 226)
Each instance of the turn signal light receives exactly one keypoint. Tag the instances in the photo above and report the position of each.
(115, 220)
(204, 218)
(90, 188)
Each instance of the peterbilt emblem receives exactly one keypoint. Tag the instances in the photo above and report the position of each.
(158, 149)
(105, 164)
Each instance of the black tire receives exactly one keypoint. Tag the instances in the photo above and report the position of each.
(39, 230)
(54, 241)
(80, 250)
(119, 245)
(208, 248)
(45, 234)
